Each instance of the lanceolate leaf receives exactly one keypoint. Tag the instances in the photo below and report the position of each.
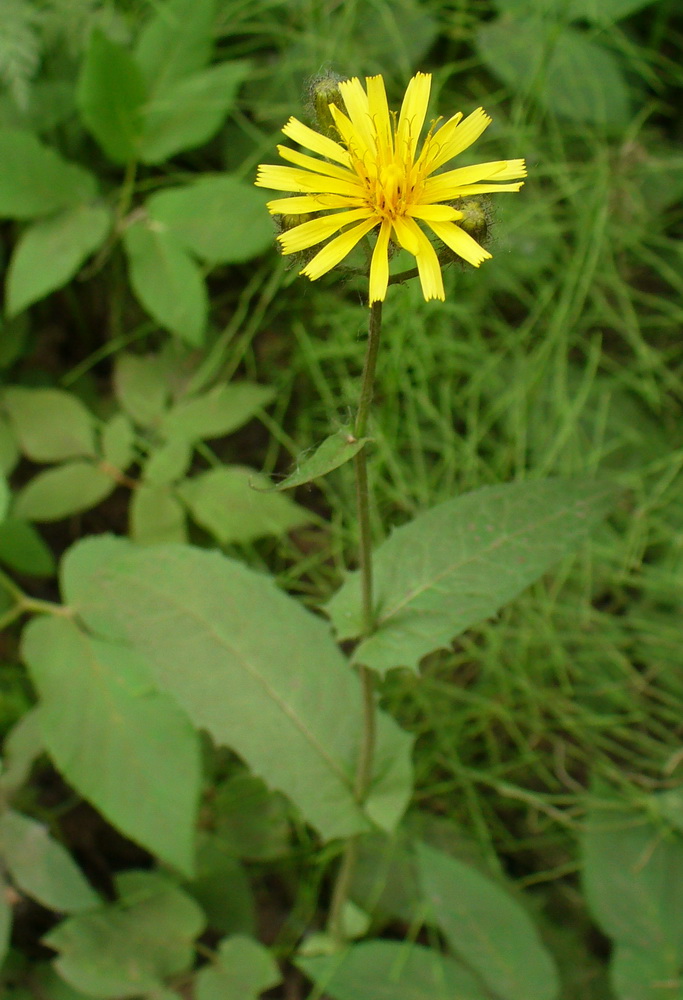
(176, 41)
(124, 746)
(459, 562)
(35, 180)
(334, 451)
(251, 666)
(486, 928)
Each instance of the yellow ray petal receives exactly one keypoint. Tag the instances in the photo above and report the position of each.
(405, 234)
(428, 267)
(336, 250)
(293, 179)
(358, 108)
(412, 116)
(378, 110)
(309, 233)
(436, 213)
(441, 186)
(469, 189)
(296, 130)
(460, 242)
(316, 166)
(455, 136)
(311, 203)
(379, 266)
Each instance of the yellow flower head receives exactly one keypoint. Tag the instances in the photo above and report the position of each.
(376, 178)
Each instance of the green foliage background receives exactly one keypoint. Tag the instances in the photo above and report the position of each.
(167, 827)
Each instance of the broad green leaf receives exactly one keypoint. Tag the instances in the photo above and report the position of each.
(156, 517)
(64, 490)
(604, 11)
(176, 41)
(50, 424)
(248, 820)
(41, 867)
(391, 970)
(243, 969)
(208, 625)
(334, 451)
(111, 94)
(188, 113)
(35, 180)
(459, 562)
(47, 984)
(222, 888)
(570, 74)
(669, 805)
(166, 281)
(645, 974)
(221, 219)
(21, 748)
(51, 251)
(118, 442)
(486, 928)
(23, 550)
(5, 919)
(168, 463)
(123, 745)
(231, 502)
(217, 412)
(633, 881)
(141, 387)
(128, 948)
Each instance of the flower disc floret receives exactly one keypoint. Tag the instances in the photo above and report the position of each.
(375, 178)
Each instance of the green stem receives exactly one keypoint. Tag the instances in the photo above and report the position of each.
(363, 776)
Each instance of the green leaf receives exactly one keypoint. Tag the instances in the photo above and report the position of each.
(129, 947)
(156, 517)
(217, 412)
(248, 820)
(486, 928)
(35, 180)
(221, 219)
(568, 73)
(334, 451)
(110, 95)
(41, 867)
(391, 970)
(209, 625)
(124, 746)
(49, 424)
(22, 747)
(222, 889)
(243, 969)
(141, 387)
(633, 881)
(459, 562)
(189, 112)
(604, 12)
(166, 281)
(9, 452)
(51, 251)
(168, 463)
(227, 502)
(118, 442)
(67, 489)
(23, 550)
(4, 499)
(175, 42)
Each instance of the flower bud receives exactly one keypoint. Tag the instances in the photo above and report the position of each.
(476, 217)
(324, 90)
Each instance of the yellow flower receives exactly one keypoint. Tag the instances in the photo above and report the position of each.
(377, 178)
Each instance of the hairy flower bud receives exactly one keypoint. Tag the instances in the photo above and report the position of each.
(476, 220)
(324, 90)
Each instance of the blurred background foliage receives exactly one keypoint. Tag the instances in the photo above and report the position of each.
(158, 358)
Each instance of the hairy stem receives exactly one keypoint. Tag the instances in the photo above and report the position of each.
(363, 774)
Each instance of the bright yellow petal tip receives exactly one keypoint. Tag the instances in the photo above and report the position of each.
(374, 178)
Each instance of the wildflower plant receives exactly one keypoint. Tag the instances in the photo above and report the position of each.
(372, 180)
